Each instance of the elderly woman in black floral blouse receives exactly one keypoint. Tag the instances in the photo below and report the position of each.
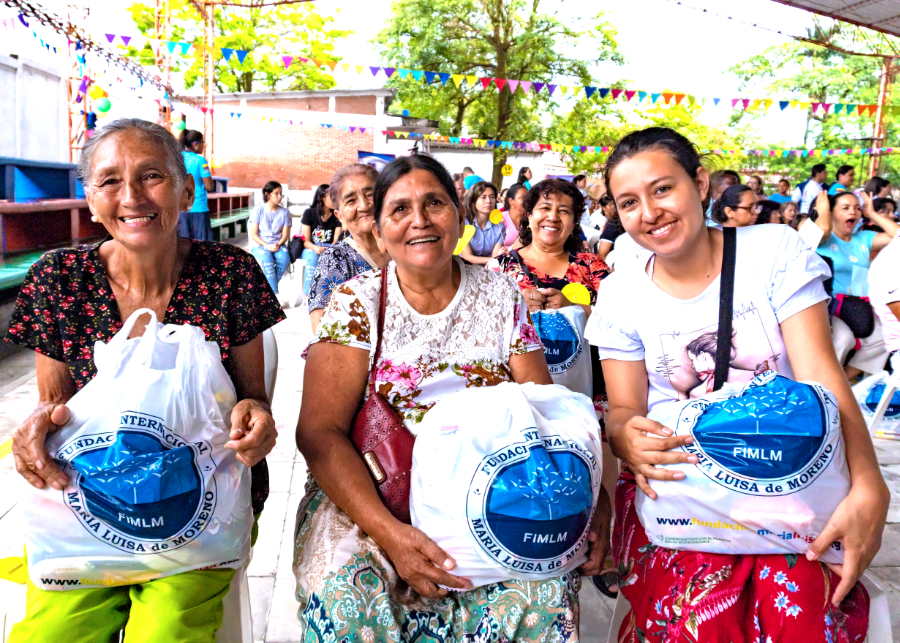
(136, 186)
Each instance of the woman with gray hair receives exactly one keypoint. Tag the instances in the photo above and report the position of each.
(136, 185)
(351, 193)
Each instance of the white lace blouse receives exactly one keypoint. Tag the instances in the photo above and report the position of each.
(424, 357)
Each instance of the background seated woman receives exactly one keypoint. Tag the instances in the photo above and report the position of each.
(320, 229)
(270, 229)
(736, 208)
(481, 200)
(351, 190)
(447, 326)
(136, 185)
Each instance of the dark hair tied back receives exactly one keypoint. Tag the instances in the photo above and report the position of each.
(731, 198)
(268, 188)
(400, 167)
(560, 188)
(189, 137)
(677, 145)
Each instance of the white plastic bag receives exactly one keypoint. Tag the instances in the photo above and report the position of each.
(868, 394)
(772, 471)
(567, 353)
(152, 492)
(505, 479)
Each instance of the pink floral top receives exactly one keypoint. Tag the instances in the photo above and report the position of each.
(424, 357)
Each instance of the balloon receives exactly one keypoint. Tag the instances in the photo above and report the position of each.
(102, 104)
(178, 125)
(101, 114)
(96, 91)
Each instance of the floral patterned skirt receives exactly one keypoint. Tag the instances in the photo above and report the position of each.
(349, 591)
(716, 598)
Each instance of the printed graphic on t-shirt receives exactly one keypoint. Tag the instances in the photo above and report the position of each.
(688, 359)
(322, 235)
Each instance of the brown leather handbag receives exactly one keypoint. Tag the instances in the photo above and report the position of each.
(383, 441)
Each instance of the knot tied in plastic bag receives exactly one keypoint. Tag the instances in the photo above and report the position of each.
(771, 471)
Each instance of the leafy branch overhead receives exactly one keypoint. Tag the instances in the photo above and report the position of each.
(493, 39)
(299, 28)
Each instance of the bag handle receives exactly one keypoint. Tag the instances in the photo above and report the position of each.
(382, 302)
(515, 255)
(726, 308)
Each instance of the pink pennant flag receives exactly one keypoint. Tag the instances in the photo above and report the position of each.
(287, 60)
(630, 94)
(616, 93)
(826, 107)
(816, 106)
(734, 102)
(526, 86)
(746, 102)
(513, 85)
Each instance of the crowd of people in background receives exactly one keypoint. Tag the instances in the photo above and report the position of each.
(420, 284)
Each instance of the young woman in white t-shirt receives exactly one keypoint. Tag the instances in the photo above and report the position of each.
(656, 334)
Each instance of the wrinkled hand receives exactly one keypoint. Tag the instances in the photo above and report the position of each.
(598, 537)
(421, 563)
(857, 523)
(554, 299)
(533, 299)
(252, 431)
(32, 460)
(642, 452)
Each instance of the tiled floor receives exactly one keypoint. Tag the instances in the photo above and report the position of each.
(271, 581)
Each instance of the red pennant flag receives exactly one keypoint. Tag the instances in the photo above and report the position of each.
(873, 109)
(679, 98)
(826, 107)
(861, 108)
(616, 93)
(667, 96)
(816, 106)
(500, 82)
(630, 94)
(746, 102)
(485, 82)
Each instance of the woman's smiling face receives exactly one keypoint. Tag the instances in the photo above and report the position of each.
(659, 204)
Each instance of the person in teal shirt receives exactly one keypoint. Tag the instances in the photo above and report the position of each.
(784, 192)
(849, 250)
(195, 223)
(845, 177)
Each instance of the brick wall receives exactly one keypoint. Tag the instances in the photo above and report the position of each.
(355, 104)
(297, 156)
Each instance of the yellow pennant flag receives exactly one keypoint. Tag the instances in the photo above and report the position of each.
(691, 100)
(471, 80)
(804, 105)
(457, 79)
(564, 89)
(359, 69)
(215, 52)
(795, 104)
(403, 134)
(345, 67)
(767, 103)
(575, 90)
(479, 142)
(755, 103)
(199, 48)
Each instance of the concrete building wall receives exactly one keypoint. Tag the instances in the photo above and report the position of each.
(34, 111)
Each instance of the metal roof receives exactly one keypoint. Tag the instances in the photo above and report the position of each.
(880, 15)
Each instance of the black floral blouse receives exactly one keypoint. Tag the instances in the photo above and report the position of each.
(66, 304)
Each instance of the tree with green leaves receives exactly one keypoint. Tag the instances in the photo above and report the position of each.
(298, 30)
(508, 39)
(826, 73)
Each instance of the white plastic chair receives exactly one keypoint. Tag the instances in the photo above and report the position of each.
(891, 386)
(879, 614)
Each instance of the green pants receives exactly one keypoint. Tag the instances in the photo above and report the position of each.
(181, 608)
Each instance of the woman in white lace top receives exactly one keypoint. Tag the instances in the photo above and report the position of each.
(447, 326)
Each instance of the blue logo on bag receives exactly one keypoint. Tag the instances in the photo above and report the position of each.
(562, 343)
(873, 399)
(772, 439)
(530, 503)
(140, 488)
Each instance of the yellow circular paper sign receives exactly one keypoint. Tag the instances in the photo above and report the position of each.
(468, 233)
(577, 294)
(496, 216)
(506, 170)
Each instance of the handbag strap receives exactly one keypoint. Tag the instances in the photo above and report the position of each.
(726, 308)
(531, 277)
(382, 302)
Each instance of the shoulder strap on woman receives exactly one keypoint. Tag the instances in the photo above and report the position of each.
(726, 308)
(515, 255)
(382, 303)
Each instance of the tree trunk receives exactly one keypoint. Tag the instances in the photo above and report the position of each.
(460, 114)
(504, 111)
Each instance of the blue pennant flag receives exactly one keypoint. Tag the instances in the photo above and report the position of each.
(429, 76)
(444, 78)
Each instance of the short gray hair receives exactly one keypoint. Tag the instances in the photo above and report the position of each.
(156, 133)
(354, 169)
